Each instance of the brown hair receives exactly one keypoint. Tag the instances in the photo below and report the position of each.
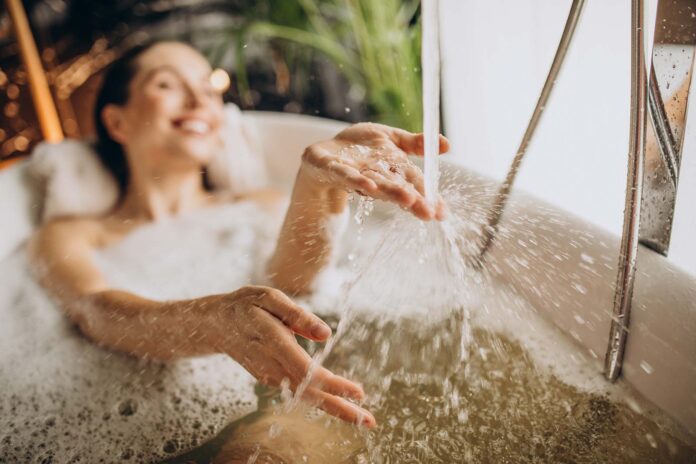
(115, 91)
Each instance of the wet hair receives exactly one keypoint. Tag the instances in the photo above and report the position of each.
(115, 91)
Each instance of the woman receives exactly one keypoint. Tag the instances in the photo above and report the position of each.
(158, 119)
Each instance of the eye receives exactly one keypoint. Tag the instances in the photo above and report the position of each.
(164, 84)
(165, 81)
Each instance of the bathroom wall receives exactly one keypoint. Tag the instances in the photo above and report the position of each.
(495, 58)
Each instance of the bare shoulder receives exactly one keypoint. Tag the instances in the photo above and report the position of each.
(269, 199)
(66, 232)
(61, 257)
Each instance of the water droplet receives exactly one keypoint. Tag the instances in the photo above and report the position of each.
(646, 367)
(635, 407)
(274, 430)
(651, 440)
(579, 288)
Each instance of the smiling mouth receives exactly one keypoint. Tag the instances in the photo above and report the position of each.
(193, 126)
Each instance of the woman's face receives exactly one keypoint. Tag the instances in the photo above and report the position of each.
(173, 114)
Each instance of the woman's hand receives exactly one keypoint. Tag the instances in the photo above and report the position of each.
(257, 325)
(372, 159)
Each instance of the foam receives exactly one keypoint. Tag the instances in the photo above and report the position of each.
(214, 250)
(67, 399)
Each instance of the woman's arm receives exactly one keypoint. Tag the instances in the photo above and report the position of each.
(256, 326)
(305, 242)
(61, 253)
(371, 159)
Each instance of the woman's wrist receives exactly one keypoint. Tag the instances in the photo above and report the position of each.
(309, 190)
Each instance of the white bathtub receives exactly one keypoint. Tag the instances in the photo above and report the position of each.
(660, 360)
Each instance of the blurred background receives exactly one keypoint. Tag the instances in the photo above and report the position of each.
(348, 60)
(356, 60)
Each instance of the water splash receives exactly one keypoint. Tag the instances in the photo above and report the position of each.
(454, 376)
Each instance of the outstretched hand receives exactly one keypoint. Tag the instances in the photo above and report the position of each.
(257, 328)
(372, 160)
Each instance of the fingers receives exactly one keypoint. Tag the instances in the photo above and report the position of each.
(292, 315)
(351, 177)
(295, 369)
(338, 170)
(329, 401)
(295, 362)
(406, 190)
(388, 189)
(440, 209)
(415, 177)
(340, 408)
(444, 145)
(407, 141)
(380, 169)
(421, 207)
(329, 382)
(414, 143)
(370, 133)
(272, 354)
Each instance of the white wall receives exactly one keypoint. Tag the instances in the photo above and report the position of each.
(496, 54)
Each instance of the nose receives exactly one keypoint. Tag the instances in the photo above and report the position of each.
(194, 96)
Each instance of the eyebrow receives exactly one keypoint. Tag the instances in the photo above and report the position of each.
(166, 67)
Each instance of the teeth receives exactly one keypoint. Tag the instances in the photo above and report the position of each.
(195, 125)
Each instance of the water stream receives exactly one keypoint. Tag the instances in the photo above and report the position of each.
(430, 65)
(457, 368)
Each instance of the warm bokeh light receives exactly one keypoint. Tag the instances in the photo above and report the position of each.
(12, 91)
(21, 143)
(220, 80)
(11, 110)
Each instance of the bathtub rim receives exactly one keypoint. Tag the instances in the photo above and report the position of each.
(661, 298)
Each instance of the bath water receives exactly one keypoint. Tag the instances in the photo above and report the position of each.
(457, 368)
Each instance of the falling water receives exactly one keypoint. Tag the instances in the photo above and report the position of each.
(457, 368)
(430, 65)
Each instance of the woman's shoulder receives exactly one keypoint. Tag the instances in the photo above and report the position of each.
(94, 232)
(64, 227)
(269, 199)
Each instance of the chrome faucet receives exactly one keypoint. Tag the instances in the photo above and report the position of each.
(654, 154)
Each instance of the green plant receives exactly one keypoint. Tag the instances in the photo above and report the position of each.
(374, 43)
